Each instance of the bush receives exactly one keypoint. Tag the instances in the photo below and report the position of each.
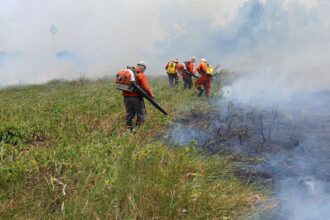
(13, 135)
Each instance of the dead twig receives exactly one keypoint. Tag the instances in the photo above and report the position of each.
(61, 184)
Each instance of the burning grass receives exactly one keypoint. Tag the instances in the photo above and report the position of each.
(285, 149)
(65, 154)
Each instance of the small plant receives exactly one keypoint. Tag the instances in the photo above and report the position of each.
(13, 135)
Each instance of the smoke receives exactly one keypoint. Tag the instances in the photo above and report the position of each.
(94, 37)
(282, 46)
(101, 37)
(288, 54)
(278, 48)
(284, 52)
(279, 52)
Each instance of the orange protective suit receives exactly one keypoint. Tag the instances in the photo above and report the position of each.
(133, 101)
(190, 67)
(204, 80)
(140, 80)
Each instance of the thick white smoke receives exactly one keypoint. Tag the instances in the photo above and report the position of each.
(280, 52)
(97, 38)
(94, 37)
(283, 51)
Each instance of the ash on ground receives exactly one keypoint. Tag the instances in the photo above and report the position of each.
(289, 145)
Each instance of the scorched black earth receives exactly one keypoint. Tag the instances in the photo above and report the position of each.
(290, 141)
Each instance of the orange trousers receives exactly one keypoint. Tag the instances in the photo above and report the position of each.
(205, 81)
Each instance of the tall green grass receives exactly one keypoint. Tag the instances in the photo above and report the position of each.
(66, 154)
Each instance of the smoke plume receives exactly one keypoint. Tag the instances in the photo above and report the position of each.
(98, 38)
(279, 53)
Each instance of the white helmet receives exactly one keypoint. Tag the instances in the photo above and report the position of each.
(203, 60)
(142, 63)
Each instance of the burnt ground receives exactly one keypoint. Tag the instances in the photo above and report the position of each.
(284, 148)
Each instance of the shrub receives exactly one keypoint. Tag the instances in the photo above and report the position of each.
(13, 135)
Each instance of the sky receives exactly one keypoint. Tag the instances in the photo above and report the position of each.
(97, 38)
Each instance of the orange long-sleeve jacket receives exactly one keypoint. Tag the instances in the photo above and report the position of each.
(140, 80)
(190, 67)
(179, 67)
(201, 68)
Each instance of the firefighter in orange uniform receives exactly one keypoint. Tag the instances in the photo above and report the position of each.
(181, 71)
(172, 72)
(187, 78)
(206, 72)
(133, 101)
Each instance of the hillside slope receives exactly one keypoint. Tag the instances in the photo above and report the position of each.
(65, 153)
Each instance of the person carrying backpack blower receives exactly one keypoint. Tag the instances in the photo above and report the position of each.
(133, 100)
(172, 72)
(206, 72)
(188, 73)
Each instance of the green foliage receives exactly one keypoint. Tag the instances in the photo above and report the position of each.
(65, 153)
(12, 135)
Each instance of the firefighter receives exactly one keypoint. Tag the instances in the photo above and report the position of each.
(181, 71)
(206, 73)
(133, 101)
(187, 77)
(172, 72)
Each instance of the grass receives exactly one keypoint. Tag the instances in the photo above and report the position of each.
(65, 154)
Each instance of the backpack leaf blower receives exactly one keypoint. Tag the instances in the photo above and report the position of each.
(124, 82)
(147, 97)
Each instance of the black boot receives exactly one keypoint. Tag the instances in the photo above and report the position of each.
(201, 91)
